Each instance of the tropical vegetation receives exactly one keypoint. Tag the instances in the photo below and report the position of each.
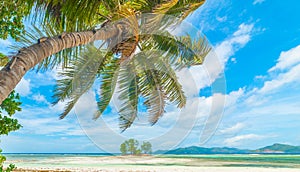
(11, 25)
(130, 147)
(8, 124)
(137, 54)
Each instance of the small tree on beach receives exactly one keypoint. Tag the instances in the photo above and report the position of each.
(146, 148)
(131, 147)
(123, 148)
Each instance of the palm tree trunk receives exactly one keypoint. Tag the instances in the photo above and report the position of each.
(30, 56)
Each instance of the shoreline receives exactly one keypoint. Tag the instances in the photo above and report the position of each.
(159, 169)
(149, 164)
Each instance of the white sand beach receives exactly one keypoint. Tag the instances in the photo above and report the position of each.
(161, 169)
(137, 164)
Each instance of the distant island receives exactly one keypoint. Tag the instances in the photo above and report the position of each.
(273, 149)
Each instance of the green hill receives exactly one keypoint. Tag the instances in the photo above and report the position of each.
(202, 150)
(275, 148)
(279, 148)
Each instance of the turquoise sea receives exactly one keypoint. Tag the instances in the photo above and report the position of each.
(98, 160)
(249, 160)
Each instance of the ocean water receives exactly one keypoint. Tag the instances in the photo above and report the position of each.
(100, 160)
(45, 160)
(39, 156)
(250, 160)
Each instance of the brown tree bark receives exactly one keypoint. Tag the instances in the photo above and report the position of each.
(30, 56)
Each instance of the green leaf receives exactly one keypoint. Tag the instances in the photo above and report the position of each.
(128, 83)
(109, 75)
(78, 79)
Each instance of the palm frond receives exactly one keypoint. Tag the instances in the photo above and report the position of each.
(69, 106)
(163, 8)
(150, 87)
(78, 79)
(109, 76)
(155, 105)
(128, 83)
(169, 81)
(184, 8)
(3, 60)
(71, 15)
(170, 13)
(167, 78)
(180, 51)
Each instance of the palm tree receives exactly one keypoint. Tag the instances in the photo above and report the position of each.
(147, 72)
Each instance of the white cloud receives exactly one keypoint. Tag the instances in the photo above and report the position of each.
(221, 19)
(232, 97)
(44, 121)
(233, 60)
(233, 129)
(5, 43)
(287, 59)
(197, 77)
(43, 78)
(23, 88)
(244, 29)
(238, 140)
(290, 77)
(40, 98)
(238, 40)
(265, 107)
(258, 2)
(285, 72)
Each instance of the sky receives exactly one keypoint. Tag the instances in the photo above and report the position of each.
(245, 95)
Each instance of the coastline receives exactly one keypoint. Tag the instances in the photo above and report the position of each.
(159, 169)
(163, 163)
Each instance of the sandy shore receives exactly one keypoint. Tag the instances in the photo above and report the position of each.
(139, 164)
(160, 169)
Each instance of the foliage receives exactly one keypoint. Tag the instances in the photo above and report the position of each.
(147, 74)
(3, 60)
(7, 124)
(146, 148)
(117, 62)
(11, 167)
(10, 105)
(12, 13)
(131, 147)
(65, 16)
(123, 148)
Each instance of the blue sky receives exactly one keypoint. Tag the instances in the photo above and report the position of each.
(257, 46)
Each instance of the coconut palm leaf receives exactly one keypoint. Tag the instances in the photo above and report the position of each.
(180, 51)
(78, 79)
(129, 94)
(150, 87)
(3, 60)
(169, 81)
(109, 76)
(166, 77)
(147, 75)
